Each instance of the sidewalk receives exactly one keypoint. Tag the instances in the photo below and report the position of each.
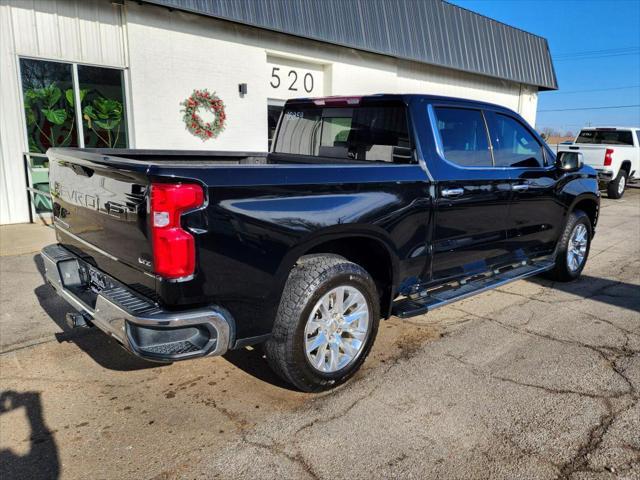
(22, 238)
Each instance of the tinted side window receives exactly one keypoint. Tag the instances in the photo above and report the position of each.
(513, 144)
(464, 136)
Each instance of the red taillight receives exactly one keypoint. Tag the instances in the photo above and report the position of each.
(607, 157)
(174, 253)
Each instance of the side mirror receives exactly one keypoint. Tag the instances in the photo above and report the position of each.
(569, 161)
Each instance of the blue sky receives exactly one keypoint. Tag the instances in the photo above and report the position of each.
(605, 35)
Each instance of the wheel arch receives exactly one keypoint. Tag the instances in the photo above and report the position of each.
(590, 205)
(626, 166)
(370, 249)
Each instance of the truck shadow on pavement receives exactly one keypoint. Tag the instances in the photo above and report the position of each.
(611, 292)
(251, 361)
(42, 461)
(101, 348)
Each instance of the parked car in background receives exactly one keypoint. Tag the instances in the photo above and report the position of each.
(365, 207)
(613, 151)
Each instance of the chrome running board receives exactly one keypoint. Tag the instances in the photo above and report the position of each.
(426, 300)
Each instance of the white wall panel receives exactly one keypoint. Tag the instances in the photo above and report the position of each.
(88, 31)
(170, 53)
(69, 30)
(528, 106)
(84, 31)
(417, 78)
(292, 78)
(13, 197)
(46, 28)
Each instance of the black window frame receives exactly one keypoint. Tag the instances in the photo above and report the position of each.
(274, 102)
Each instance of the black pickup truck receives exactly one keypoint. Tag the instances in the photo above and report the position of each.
(366, 207)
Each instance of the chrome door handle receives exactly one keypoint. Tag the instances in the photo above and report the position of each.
(520, 187)
(452, 192)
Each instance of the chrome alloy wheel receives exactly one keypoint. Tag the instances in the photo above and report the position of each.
(336, 329)
(577, 248)
(621, 184)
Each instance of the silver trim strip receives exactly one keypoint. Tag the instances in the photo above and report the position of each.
(452, 192)
(84, 242)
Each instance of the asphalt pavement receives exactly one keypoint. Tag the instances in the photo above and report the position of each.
(533, 380)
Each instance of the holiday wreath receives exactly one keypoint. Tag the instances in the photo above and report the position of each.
(210, 102)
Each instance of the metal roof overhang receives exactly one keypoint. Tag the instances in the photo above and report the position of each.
(426, 31)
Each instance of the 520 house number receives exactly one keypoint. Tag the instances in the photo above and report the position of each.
(291, 79)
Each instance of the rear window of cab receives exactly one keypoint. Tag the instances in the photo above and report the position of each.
(377, 133)
(606, 137)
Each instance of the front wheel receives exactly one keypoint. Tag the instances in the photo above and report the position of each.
(326, 323)
(616, 187)
(573, 248)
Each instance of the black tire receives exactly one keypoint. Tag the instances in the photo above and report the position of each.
(561, 272)
(310, 279)
(613, 188)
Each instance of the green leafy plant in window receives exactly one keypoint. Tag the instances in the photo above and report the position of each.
(50, 116)
(103, 117)
(51, 119)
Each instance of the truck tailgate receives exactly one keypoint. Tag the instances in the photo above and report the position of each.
(100, 213)
(593, 155)
(101, 210)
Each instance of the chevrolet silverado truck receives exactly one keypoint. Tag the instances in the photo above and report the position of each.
(366, 207)
(614, 152)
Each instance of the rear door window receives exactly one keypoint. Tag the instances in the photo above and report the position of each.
(464, 136)
(513, 144)
(376, 133)
(605, 137)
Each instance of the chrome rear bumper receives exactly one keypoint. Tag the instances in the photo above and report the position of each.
(136, 322)
(604, 176)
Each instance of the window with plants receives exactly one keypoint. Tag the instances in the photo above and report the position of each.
(50, 94)
(47, 89)
(103, 113)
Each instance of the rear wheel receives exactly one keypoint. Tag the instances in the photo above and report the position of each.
(616, 187)
(573, 248)
(326, 323)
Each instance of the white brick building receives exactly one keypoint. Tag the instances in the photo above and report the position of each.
(148, 58)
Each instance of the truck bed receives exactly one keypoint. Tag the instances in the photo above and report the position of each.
(175, 157)
(101, 210)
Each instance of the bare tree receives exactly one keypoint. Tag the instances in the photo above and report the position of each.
(547, 132)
